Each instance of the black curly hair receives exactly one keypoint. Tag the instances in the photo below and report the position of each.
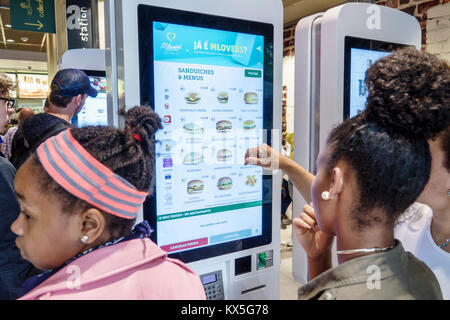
(410, 89)
(408, 103)
(391, 169)
(119, 151)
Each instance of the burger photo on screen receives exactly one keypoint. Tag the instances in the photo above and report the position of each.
(195, 186)
(249, 125)
(222, 97)
(224, 155)
(192, 98)
(193, 128)
(193, 158)
(224, 125)
(251, 98)
(224, 183)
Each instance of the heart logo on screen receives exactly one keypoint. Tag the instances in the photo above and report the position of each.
(171, 36)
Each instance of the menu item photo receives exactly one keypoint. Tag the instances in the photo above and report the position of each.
(192, 98)
(224, 183)
(224, 125)
(251, 180)
(224, 155)
(193, 158)
(195, 186)
(193, 128)
(249, 125)
(251, 98)
(222, 97)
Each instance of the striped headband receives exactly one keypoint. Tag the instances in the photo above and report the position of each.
(80, 174)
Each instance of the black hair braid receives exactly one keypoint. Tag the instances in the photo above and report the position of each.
(121, 151)
(126, 155)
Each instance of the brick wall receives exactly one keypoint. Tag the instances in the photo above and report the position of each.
(436, 26)
(288, 41)
(421, 9)
(438, 31)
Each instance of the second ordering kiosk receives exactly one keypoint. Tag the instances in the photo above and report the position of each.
(212, 71)
(333, 50)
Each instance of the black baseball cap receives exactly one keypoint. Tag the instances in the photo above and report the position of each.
(73, 82)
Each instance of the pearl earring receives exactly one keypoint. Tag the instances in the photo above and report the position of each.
(325, 195)
(84, 238)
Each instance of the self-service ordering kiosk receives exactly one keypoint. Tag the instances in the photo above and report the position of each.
(92, 61)
(333, 50)
(212, 71)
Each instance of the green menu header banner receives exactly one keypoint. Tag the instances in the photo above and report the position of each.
(33, 15)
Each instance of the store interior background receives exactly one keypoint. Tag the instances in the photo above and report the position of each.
(31, 59)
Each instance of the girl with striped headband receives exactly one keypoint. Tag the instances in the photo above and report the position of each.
(80, 194)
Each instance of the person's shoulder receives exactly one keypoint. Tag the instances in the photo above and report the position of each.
(5, 165)
(415, 217)
(424, 281)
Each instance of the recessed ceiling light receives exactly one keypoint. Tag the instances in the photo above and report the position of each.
(10, 40)
(8, 25)
(24, 39)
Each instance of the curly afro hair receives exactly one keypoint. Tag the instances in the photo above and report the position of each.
(409, 91)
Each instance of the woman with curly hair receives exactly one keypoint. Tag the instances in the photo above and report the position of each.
(80, 193)
(409, 92)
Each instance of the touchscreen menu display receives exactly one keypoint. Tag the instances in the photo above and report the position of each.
(94, 112)
(208, 90)
(360, 61)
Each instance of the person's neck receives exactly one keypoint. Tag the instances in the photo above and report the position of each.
(440, 225)
(350, 238)
(60, 114)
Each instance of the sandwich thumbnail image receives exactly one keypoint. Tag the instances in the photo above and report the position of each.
(224, 155)
(193, 158)
(224, 125)
(193, 128)
(251, 180)
(249, 125)
(251, 98)
(224, 183)
(222, 97)
(192, 98)
(195, 186)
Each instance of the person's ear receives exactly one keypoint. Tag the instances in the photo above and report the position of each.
(92, 225)
(77, 100)
(337, 182)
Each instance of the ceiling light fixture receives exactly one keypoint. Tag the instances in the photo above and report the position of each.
(10, 40)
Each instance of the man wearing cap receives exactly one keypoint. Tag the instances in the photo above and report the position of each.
(68, 93)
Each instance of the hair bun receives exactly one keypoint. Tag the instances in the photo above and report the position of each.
(142, 121)
(409, 92)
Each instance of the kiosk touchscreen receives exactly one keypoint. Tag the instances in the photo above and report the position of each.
(210, 80)
(359, 55)
(94, 112)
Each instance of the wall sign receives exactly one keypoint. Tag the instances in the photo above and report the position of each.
(37, 15)
(81, 24)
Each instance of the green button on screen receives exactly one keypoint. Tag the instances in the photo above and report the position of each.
(253, 73)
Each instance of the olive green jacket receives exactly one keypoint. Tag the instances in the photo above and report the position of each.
(394, 274)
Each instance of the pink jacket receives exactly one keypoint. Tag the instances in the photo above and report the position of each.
(129, 270)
